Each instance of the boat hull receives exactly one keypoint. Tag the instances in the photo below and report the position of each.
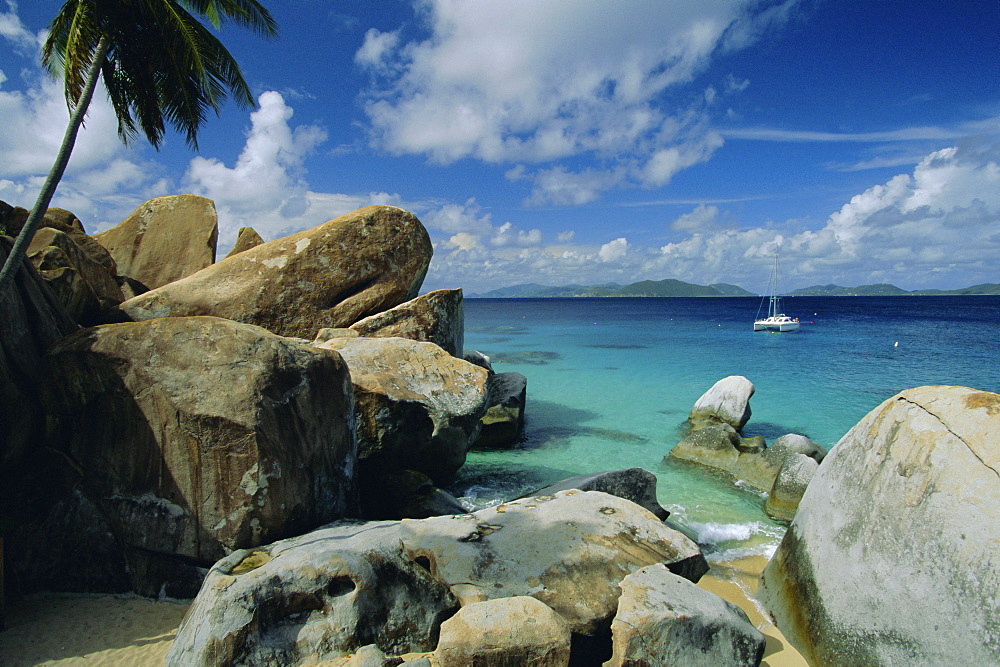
(777, 327)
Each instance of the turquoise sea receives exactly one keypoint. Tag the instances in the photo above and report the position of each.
(611, 382)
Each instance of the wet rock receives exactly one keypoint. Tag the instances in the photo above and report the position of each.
(789, 486)
(503, 422)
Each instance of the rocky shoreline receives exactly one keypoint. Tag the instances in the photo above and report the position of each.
(268, 434)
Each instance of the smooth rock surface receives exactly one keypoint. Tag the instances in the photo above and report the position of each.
(726, 402)
(164, 239)
(789, 486)
(312, 598)
(436, 317)
(664, 619)
(892, 556)
(332, 275)
(500, 633)
(569, 550)
(418, 407)
(192, 437)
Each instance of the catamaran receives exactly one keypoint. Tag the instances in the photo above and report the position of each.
(775, 320)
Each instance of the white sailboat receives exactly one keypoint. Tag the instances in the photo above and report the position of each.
(775, 320)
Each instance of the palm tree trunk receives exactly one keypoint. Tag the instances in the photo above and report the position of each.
(20, 248)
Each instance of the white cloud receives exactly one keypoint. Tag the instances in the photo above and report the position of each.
(13, 30)
(547, 80)
(377, 47)
(613, 251)
(701, 219)
(934, 227)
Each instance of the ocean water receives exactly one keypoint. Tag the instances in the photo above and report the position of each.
(611, 382)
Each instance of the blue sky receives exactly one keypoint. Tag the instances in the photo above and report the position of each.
(584, 142)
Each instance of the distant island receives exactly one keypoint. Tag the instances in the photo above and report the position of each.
(672, 287)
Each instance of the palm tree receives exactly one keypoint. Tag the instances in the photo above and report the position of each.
(161, 66)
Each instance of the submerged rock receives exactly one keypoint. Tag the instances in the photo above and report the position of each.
(892, 555)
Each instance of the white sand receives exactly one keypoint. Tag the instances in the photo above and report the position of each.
(132, 632)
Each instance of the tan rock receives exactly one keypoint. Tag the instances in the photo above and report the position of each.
(789, 486)
(84, 286)
(569, 551)
(663, 619)
(418, 407)
(246, 238)
(436, 317)
(330, 276)
(892, 555)
(314, 598)
(198, 436)
(510, 631)
(164, 239)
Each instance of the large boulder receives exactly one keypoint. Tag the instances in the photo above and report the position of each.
(503, 422)
(332, 275)
(726, 402)
(664, 619)
(164, 239)
(418, 406)
(31, 320)
(187, 438)
(510, 631)
(436, 317)
(635, 484)
(569, 551)
(84, 286)
(313, 598)
(892, 555)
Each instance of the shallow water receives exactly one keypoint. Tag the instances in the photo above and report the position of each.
(611, 382)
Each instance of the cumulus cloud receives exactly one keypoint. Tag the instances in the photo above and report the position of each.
(933, 227)
(496, 82)
(13, 30)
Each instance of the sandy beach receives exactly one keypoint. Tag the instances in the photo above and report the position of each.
(128, 631)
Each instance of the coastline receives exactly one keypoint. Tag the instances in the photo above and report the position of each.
(118, 631)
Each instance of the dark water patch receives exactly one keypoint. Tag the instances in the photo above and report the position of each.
(616, 346)
(500, 330)
(531, 357)
(559, 434)
(478, 485)
(770, 431)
